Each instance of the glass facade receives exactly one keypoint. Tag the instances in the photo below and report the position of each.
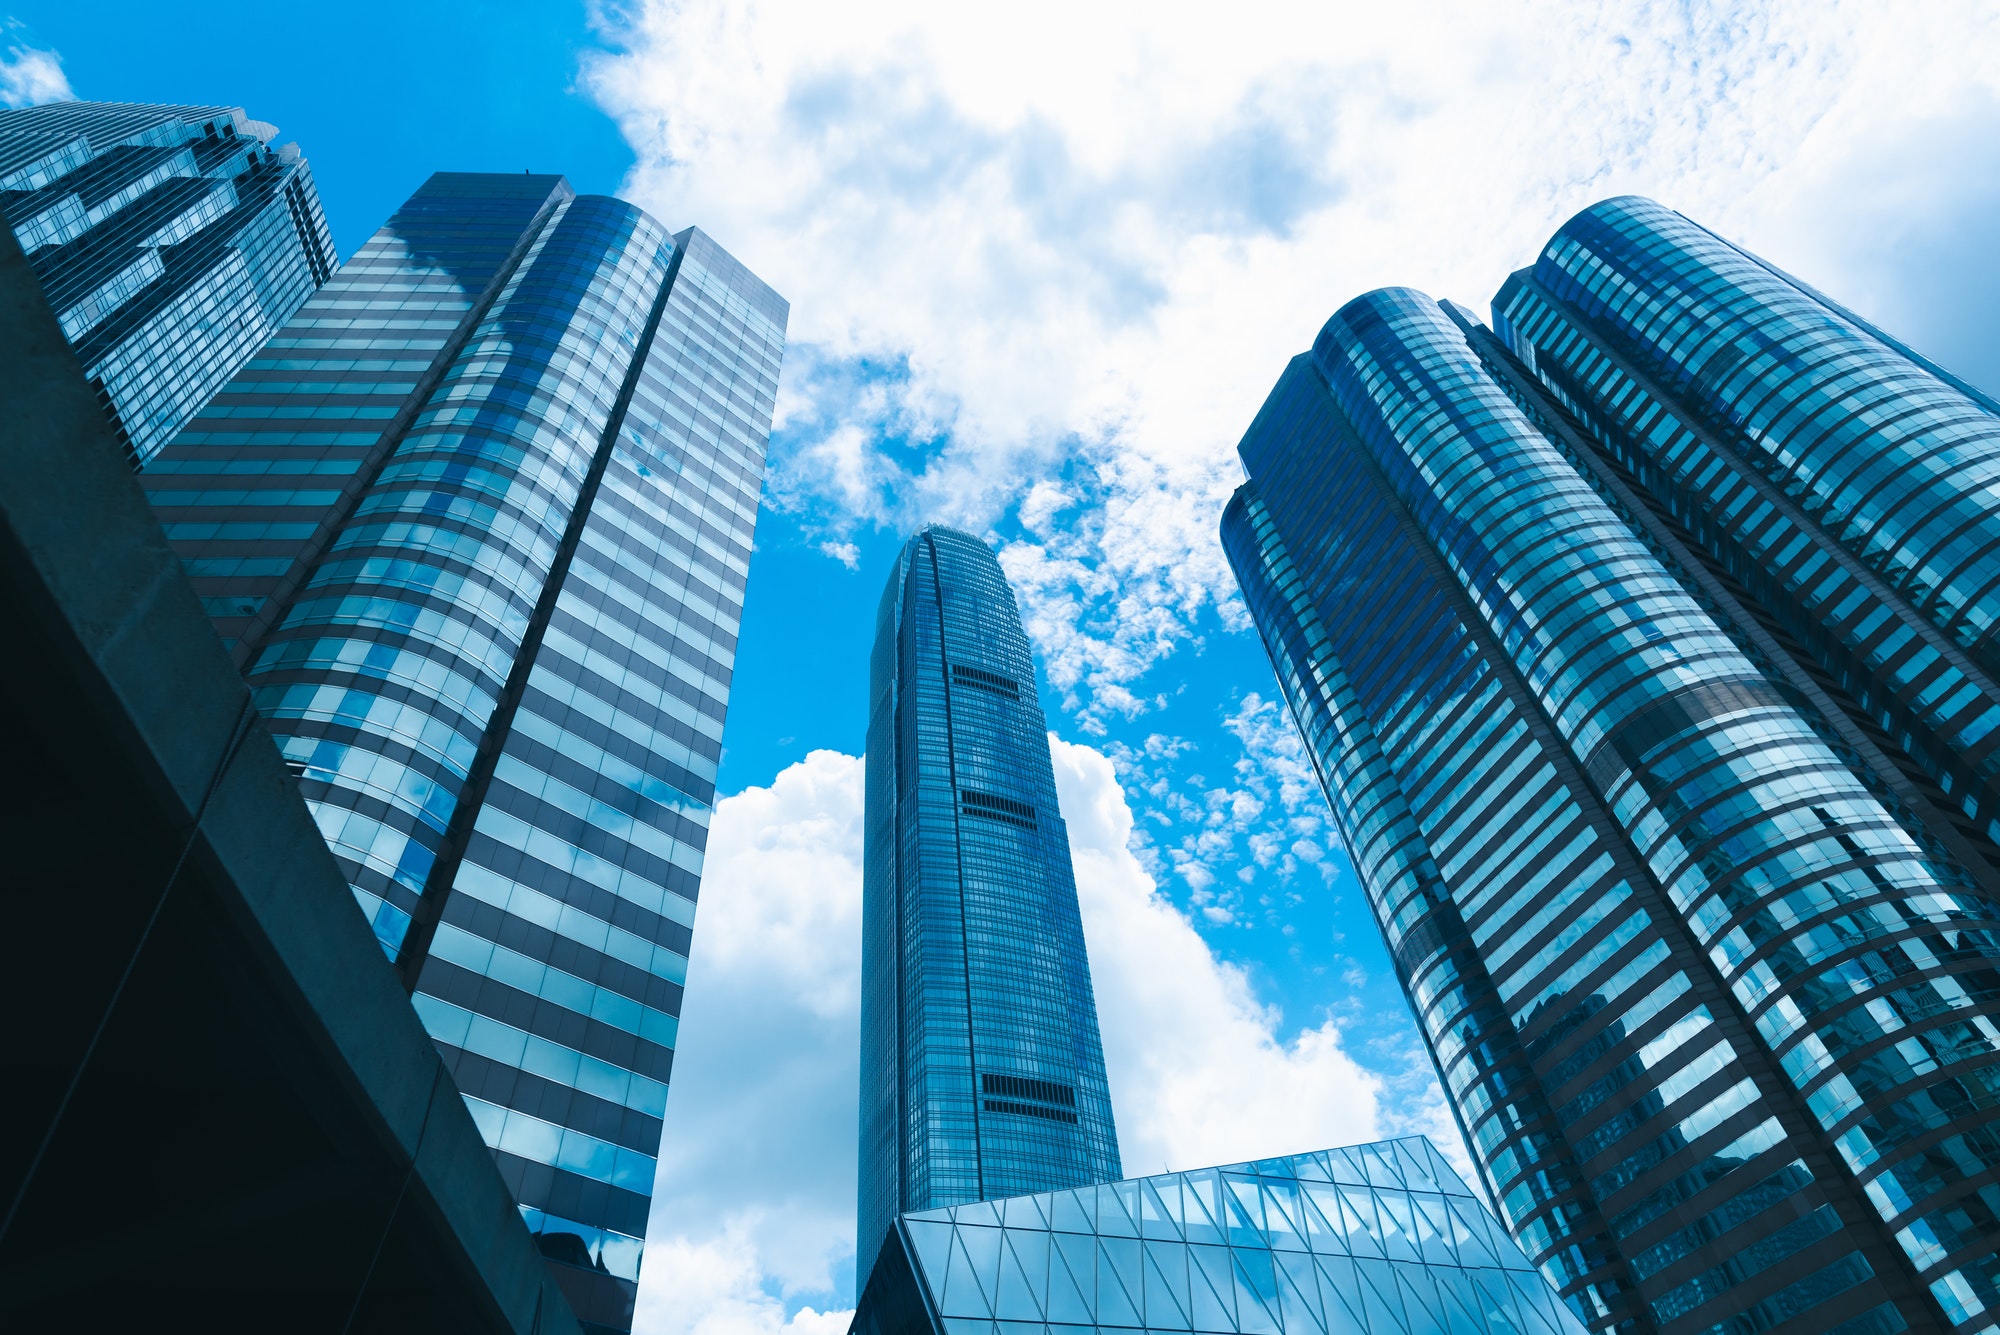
(170, 241)
(1379, 1239)
(1684, 960)
(982, 1069)
(476, 525)
(1832, 494)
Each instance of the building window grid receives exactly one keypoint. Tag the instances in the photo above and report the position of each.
(618, 1251)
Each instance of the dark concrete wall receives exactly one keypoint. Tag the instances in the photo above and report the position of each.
(218, 1099)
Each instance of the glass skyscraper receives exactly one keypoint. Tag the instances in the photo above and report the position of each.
(475, 524)
(171, 242)
(982, 1073)
(1640, 648)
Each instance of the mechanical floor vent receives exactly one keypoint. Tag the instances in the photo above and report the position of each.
(989, 806)
(1031, 1110)
(986, 681)
(1021, 1087)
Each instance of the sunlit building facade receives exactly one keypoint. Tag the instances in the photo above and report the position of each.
(982, 1071)
(171, 242)
(1381, 1239)
(476, 525)
(1697, 921)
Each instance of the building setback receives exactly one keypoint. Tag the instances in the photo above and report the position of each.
(475, 525)
(171, 242)
(982, 1073)
(1640, 648)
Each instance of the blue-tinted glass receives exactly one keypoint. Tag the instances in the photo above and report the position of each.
(171, 242)
(1467, 1276)
(523, 435)
(982, 1069)
(1630, 855)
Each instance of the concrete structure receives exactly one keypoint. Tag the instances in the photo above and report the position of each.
(221, 1111)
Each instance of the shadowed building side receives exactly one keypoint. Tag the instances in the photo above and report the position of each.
(220, 1112)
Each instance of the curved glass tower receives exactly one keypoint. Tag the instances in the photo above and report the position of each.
(982, 1073)
(476, 525)
(1712, 1000)
(1836, 496)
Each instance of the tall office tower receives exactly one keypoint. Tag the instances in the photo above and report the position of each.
(1712, 994)
(476, 526)
(171, 241)
(982, 1073)
(1828, 494)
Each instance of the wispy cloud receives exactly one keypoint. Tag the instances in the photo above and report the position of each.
(29, 75)
(1044, 262)
(1086, 238)
(753, 1215)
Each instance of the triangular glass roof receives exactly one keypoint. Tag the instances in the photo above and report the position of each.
(1383, 1239)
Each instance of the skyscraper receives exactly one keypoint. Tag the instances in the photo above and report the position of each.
(1702, 949)
(982, 1073)
(475, 525)
(1829, 491)
(228, 1073)
(171, 241)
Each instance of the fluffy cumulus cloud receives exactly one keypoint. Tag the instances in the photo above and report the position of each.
(29, 75)
(1046, 258)
(753, 1215)
(1044, 262)
(1198, 1075)
(753, 1218)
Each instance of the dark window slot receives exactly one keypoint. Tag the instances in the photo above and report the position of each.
(990, 806)
(1022, 1087)
(985, 681)
(1031, 1110)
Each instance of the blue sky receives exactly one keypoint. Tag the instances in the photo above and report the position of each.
(1044, 264)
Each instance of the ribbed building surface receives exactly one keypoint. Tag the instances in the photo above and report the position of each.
(171, 242)
(1693, 919)
(1836, 498)
(982, 1072)
(476, 525)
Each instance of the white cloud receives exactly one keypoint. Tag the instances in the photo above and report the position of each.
(753, 1215)
(720, 1286)
(753, 1210)
(30, 76)
(1046, 260)
(1078, 242)
(1198, 1075)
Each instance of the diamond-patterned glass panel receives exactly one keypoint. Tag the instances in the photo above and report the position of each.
(1381, 1239)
